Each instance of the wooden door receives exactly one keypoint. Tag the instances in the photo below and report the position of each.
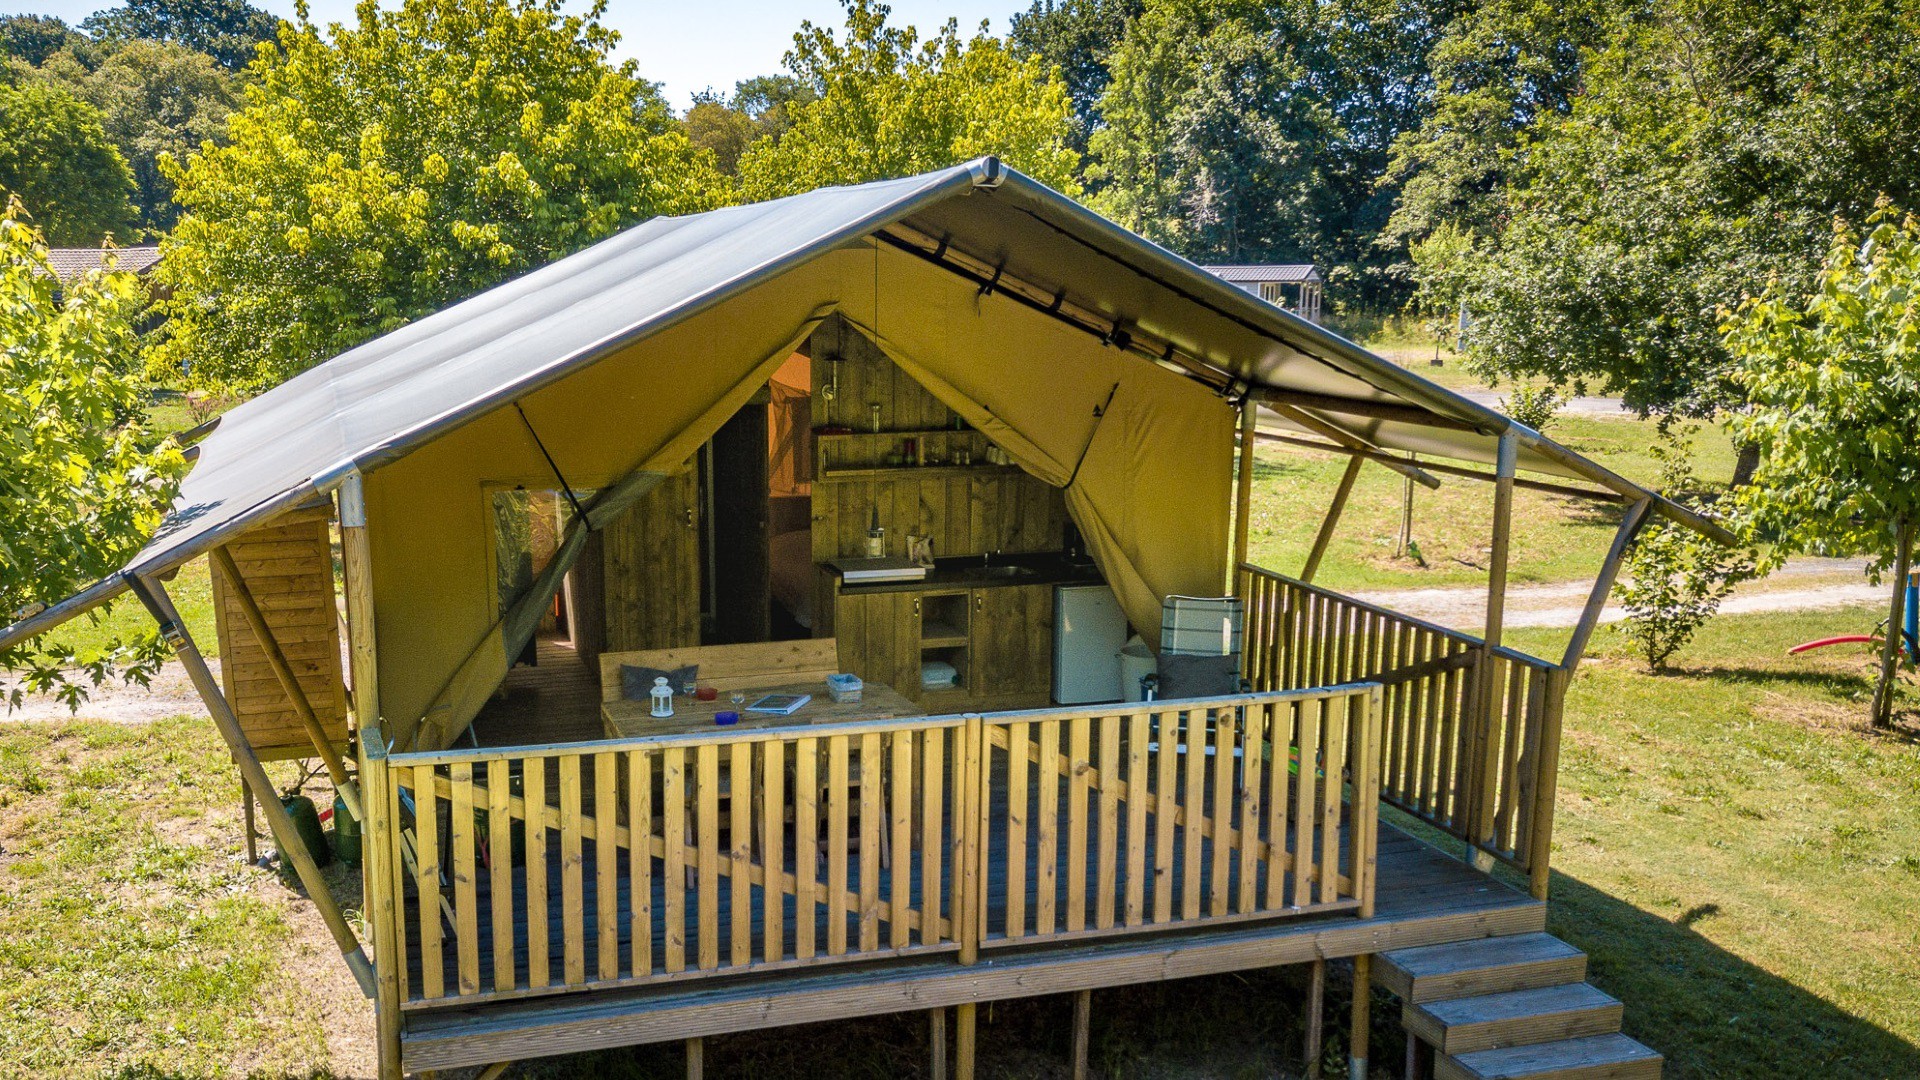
(879, 638)
(651, 560)
(1012, 645)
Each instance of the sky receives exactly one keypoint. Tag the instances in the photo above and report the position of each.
(686, 45)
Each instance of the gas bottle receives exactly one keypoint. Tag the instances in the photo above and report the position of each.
(306, 822)
(346, 833)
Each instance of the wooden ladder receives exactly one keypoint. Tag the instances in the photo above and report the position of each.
(1508, 1008)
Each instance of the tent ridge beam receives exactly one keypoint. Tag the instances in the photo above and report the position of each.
(1377, 410)
(1453, 470)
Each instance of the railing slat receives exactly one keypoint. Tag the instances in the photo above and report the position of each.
(640, 859)
(837, 823)
(427, 881)
(806, 846)
(1253, 742)
(706, 796)
(1335, 758)
(900, 886)
(933, 928)
(1137, 799)
(533, 787)
(1219, 885)
(1019, 747)
(1193, 800)
(606, 863)
(870, 834)
(740, 853)
(1047, 844)
(773, 852)
(1107, 855)
(1079, 787)
(466, 905)
(572, 887)
(1304, 804)
(673, 871)
(500, 860)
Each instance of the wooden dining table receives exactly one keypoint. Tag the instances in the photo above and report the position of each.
(631, 719)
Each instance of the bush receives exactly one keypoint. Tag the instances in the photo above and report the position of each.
(1534, 407)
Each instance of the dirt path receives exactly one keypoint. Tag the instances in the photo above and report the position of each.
(1574, 406)
(170, 694)
(1804, 584)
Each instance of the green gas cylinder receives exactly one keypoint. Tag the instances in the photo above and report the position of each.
(346, 833)
(306, 822)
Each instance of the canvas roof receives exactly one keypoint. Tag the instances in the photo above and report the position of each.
(376, 402)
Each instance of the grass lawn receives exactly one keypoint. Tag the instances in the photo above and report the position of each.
(1738, 858)
(1555, 538)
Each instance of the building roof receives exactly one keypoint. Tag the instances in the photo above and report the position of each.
(380, 400)
(70, 263)
(1252, 273)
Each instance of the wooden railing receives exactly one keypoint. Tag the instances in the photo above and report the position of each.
(1471, 738)
(532, 870)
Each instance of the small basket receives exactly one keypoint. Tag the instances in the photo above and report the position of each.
(845, 688)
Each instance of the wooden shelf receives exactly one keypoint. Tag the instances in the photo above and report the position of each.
(891, 433)
(946, 638)
(930, 471)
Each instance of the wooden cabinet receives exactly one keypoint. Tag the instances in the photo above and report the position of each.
(998, 639)
(1012, 644)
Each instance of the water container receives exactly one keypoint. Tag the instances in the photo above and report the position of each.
(1136, 664)
(346, 833)
(306, 822)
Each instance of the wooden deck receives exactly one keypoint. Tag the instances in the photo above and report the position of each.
(1424, 897)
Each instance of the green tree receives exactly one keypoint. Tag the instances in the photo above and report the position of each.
(1074, 37)
(1833, 384)
(230, 31)
(393, 166)
(1701, 155)
(1210, 134)
(890, 104)
(82, 484)
(32, 38)
(155, 98)
(55, 156)
(760, 108)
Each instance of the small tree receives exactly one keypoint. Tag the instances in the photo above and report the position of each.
(1834, 383)
(1676, 578)
(386, 168)
(55, 155)
(82, 484)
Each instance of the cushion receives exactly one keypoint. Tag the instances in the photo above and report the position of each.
(1198, 676)
(636, 682)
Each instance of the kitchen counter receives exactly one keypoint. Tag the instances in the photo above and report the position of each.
(970, 572)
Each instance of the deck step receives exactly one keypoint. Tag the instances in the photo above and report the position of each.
(1595, 1057)
(1515, 1018)
(1485, 966)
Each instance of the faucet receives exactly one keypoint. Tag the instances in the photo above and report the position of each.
(986, 557)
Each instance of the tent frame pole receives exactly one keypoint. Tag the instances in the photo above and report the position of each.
(1629, 531)
(283, 671)
(1354, 444)
(1243, 494)
(153, 596)
(1486, 700)
(357, 567)
(1325, 536)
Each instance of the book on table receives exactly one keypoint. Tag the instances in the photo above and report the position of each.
(780, 704)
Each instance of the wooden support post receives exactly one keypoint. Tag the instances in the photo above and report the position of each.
(1484, 703)
(1547, 767)
(1353, 443)
(357, 568)
(1082, 1022)
(1890, 646)
(696, 1058)
(1325, 535)
(965, 1018)
(289, 682)
(246, 814)
(937, 1044)
(1316, 1018)
(1630, 526)
(153, 596)
(1243, 494)
(1360, 1028)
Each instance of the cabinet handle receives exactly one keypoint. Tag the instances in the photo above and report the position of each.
(690, 517)
(979, 601)
(916, 607)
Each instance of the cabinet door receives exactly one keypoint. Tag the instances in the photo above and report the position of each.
(652, 569)
(1012, 644)
(879, 638)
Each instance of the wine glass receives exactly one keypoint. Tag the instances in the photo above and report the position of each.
(738, 698)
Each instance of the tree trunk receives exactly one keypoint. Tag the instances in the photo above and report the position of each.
(1747, 459)
(1890, 648)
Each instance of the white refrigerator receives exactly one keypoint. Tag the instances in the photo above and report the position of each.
(1089, 630)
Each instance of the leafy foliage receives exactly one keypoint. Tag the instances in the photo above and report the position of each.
(30, 39)
(1626, 171)
(82, 485)
(388, 168)
(1075, 38)
(1676, 578)
(1834, 387)
(760, 108)
(1534, 406)
(890, 104)
(56, 157)
(155, 98)
(230, 31)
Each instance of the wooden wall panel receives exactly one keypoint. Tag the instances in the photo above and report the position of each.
(288, 566)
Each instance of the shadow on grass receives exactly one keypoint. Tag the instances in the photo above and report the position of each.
(1839, 683)
(1710, 1012)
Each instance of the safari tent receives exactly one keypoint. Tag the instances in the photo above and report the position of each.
(672, 450)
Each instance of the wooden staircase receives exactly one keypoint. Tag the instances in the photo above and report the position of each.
(1513, 1008)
